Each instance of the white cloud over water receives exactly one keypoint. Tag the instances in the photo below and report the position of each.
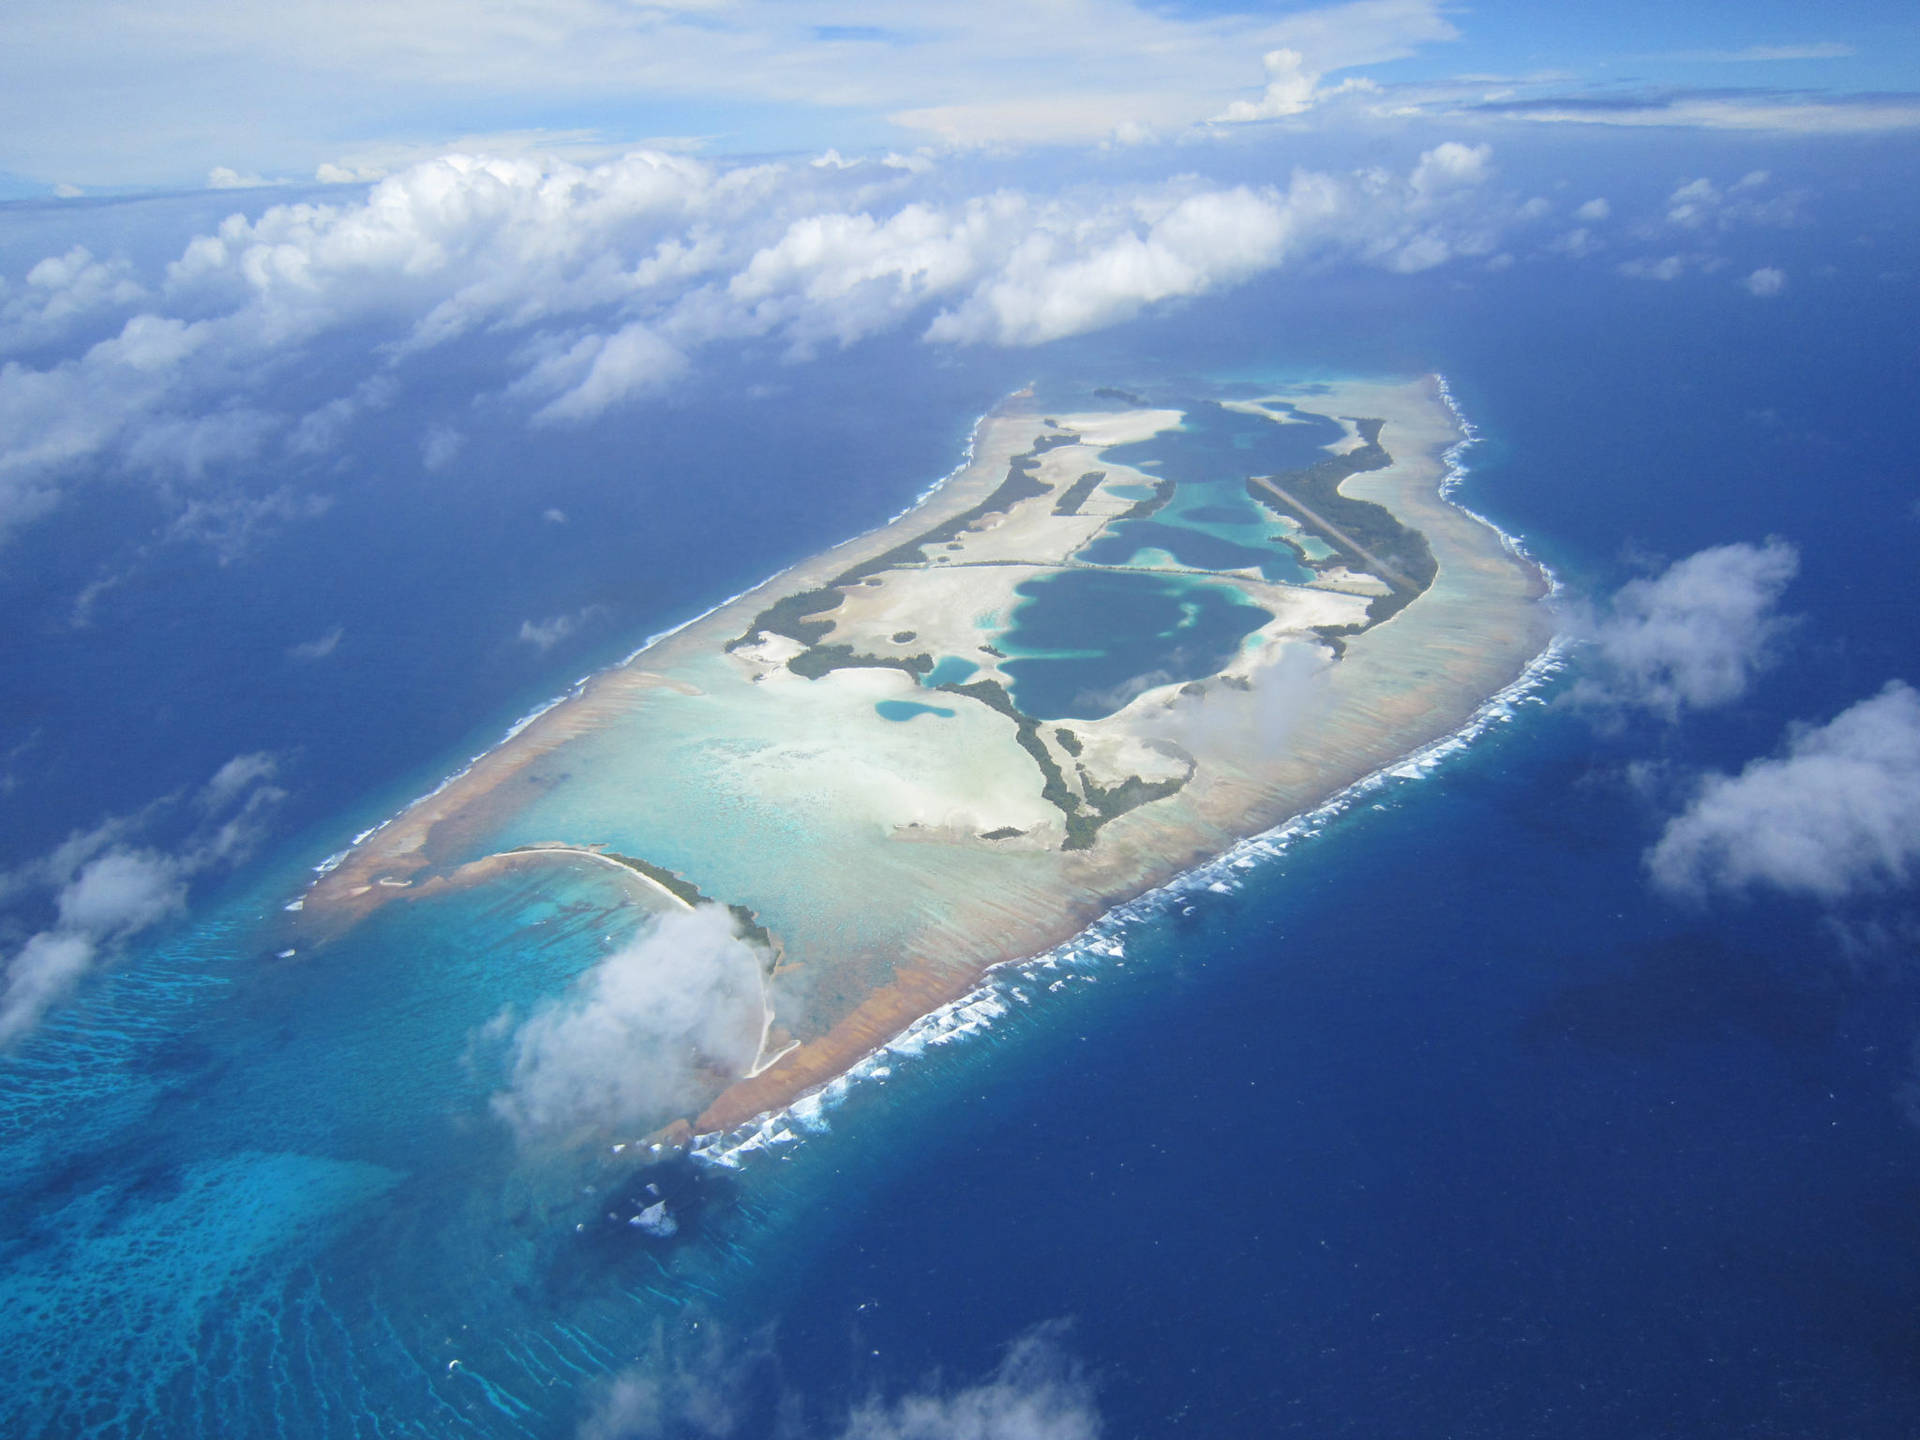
(648, 1035)
(579, 289)
(105, 888)
(543, 635)
(1036, 1393)
(1835, 814)
(695, 1383)
(1694, 636)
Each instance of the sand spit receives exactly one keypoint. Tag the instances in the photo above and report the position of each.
(896, 861)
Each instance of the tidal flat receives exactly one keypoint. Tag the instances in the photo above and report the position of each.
(956, 740)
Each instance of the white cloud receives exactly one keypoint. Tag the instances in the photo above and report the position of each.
(1593, 211)
(1665, 267)
(1783, 114)
(1577, 243)
(317, 649)
(105, 890)
(43, 970)
(598, 287)
(122, 892)
(1764, 54)
(1290, 90)
(230, 525)
(649, 1034)
(601, 371)
(1694, 636)
(440, 446)
(223, 178)
(543, 635)
(235, 778)
(1034, 1394)
(1765, 282)
(62, 289)
(312, 77)
(1450, 166)
(1835, 815)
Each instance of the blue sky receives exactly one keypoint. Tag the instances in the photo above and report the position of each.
(96, 94)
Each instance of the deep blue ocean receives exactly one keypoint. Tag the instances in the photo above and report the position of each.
(1441, 1124)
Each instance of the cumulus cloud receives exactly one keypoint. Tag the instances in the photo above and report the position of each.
(105, 889)
(1836, 814)
(1703, 205)
(597, 287)
(1290, 90)
(1694, 636)
(1593, 211)
(1450, 166)
(601, 371)
(1765, 283)
(649, 1034)
(62, 289)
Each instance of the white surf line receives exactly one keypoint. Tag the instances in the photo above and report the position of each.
(988, 1001)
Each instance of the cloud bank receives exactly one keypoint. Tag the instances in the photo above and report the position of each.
(649, 1034)
(313, 77)
(1837, 814)
(1692, 637)
(590, 288)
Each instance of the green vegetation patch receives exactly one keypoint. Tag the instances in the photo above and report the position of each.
(1153, 504)
(793, 615)
(1075, 495)
(1021, 483)
(789, 616)
(993, 695)
(679, 887)
(1364, 524)
(824, 659)
(1103, 803)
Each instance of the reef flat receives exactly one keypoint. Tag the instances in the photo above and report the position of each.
(1117, 641)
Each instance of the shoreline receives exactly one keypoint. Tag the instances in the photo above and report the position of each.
(1407, 686)
(978, 1008)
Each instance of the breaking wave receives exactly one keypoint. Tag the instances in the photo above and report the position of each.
(1014, 983)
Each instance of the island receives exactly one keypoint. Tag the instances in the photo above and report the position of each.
(1132, 630)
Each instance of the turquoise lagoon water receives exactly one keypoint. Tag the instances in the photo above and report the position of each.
(906, 709)
(295, 1210)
